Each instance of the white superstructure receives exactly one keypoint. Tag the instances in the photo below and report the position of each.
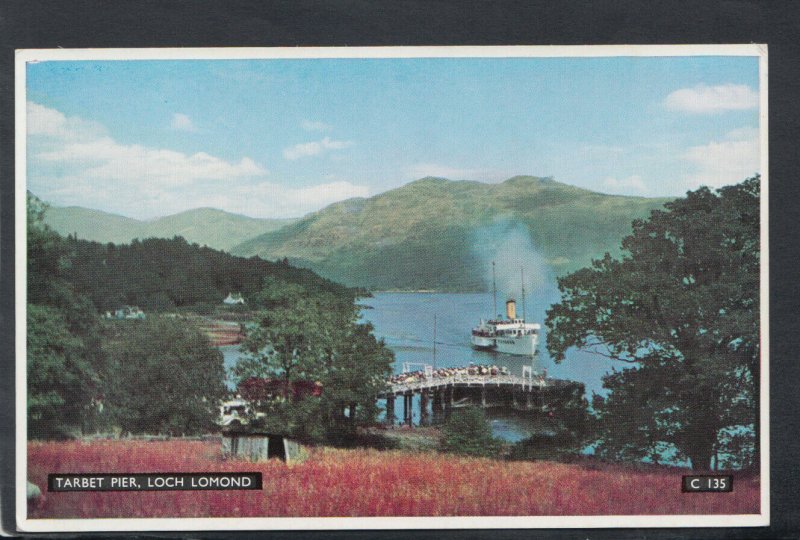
(511, 335)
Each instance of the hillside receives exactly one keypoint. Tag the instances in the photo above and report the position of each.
(205, 226)
(159, 274)
(93, 224)
(440, 234)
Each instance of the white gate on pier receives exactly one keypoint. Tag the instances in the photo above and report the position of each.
(528, 378)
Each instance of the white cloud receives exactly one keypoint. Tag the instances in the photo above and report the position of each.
(46, 122)
(725, 162)
(275, 200)
(625, 185)
(77, 148)
(308, 125)
(703, 99)
(314, 148)
(75, 162)
(181, 122)
(742, 134)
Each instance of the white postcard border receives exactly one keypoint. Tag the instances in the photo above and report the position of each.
(461, 522)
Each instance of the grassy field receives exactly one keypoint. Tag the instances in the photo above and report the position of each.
(333, 482)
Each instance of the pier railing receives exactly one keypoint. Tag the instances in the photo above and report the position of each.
(465, 379)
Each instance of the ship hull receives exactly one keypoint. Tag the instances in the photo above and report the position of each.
(523, 345)
(483, 343)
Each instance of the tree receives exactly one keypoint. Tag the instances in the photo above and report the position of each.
(61, 382)
(681, 309)
(64, 355)
(468, 432)
(291, 338)
(357, 373)
(163, 377)
(304, 337)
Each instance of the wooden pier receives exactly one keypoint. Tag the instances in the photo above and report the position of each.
(438, 395)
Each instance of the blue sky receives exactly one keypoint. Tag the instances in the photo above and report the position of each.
(280, 138)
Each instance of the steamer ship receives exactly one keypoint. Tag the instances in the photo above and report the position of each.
(509, 335)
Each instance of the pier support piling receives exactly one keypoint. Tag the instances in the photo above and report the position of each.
(438, 397)
(390, 410)
(438, 405)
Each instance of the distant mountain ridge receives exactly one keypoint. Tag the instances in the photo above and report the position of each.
(205, 226)
(432, 233)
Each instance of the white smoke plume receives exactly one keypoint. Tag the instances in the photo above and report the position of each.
(508, 244)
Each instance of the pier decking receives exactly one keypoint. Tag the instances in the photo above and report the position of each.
(440, 393)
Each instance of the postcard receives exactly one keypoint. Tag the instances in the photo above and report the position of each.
(392, 287)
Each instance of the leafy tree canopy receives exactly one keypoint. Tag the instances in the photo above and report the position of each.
(301, 338)
(681, 308)
(468, 432)
(156, 376)
(64, 356)
(61, 382)
(164, 377)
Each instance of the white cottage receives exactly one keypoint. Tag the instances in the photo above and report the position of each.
(234, 299)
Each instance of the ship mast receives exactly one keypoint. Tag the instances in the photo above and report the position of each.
(434, 341)
(494, 292)
(522, 275)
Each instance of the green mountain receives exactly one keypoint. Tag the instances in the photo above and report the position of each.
(440, 234)
(212, 227)
(92, 224)
(205, 226)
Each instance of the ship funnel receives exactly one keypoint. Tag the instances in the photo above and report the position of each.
(511, 309)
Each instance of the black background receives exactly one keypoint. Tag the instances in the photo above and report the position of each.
(203, 23)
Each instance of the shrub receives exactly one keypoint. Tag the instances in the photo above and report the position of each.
(468, 432)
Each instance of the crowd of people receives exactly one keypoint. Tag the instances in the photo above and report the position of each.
(471, 370)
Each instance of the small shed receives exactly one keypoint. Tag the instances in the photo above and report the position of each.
(259, 446)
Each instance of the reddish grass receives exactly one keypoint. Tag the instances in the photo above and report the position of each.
(334, 482)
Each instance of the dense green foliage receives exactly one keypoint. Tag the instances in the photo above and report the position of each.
(302, 338)
(162, 377)
(563, 431)
(205, 226)
(468, 432)
(64, 358)
(61, 380)
(158, 274)
(681, 308)
(157, 375)
(428, 234)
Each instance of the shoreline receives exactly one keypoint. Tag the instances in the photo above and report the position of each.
(426, 291)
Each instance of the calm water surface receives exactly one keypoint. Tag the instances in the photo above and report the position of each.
(405, 322)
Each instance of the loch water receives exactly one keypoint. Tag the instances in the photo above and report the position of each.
(405, 321)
